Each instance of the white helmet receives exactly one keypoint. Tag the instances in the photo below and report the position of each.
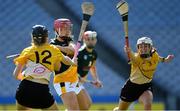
(145, 40)
(89, 34)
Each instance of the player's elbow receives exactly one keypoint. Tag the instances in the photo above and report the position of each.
(70, 51)
(15, 75)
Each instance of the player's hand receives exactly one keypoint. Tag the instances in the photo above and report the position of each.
(127, 49)
(82, 80)
(75, 61)
(169, 58)
(97, 83)
(20, 76)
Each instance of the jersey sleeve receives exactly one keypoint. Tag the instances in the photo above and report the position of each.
(133, 57)
(59, 56)
(22, 59)
(160, 58)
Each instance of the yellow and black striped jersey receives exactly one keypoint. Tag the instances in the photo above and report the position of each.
(39, 60)
(67, 73)
(143, 69)
(64, 67)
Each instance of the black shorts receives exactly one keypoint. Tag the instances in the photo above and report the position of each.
(34, 95)
(131, 91)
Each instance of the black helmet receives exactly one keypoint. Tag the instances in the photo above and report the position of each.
(39, 31)
(39, 34)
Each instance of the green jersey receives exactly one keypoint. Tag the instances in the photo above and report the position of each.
(85, 61)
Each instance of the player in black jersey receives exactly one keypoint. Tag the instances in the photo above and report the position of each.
(66, 79)
(87, 61)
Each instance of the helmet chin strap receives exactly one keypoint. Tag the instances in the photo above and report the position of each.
(90, 46)
(56, 34)
(145, 55)
(63, 37)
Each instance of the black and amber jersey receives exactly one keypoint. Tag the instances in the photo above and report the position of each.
(66, 73)
(64, 67)
(85, 61)
(39, 60)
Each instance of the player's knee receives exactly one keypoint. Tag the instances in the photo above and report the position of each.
(88, 103)
(73, 107)
(87, 106)
(147, 104)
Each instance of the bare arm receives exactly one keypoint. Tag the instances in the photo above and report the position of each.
(167, 59)
(66, 60)
(17, 72)
(95, 77)
(130, 53)
(67, 49)
(94, 72)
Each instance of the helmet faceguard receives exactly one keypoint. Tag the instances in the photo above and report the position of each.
(63, 28)
(90, 39)
(144, 46)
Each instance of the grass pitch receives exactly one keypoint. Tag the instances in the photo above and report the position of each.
(97, 107)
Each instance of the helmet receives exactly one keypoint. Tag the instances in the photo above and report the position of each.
(90, 39)
(145, 40)
(39, 31)
(145, 52)
(89, 34)
(39, 34)
(60, 23)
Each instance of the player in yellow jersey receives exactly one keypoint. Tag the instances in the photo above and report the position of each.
(36, 63)
(66, 78)
(143, 65)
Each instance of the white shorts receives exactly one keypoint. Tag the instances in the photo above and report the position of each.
(79, 88)
(65, 87)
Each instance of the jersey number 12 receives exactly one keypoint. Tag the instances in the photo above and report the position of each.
(44, 60)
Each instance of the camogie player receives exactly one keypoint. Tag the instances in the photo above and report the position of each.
(66, 78)
(87, 61)
(143, 65)
(38, 61)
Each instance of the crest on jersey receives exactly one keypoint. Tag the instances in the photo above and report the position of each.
(39, 70)
(85, 57)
